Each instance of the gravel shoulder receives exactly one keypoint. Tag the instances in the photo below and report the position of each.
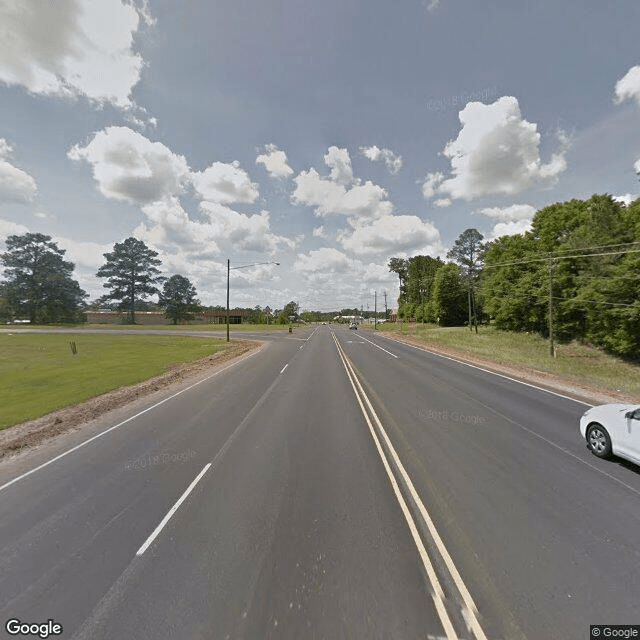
(577, 389)
(18, 438)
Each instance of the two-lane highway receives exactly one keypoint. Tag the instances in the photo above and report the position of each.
(335, 484)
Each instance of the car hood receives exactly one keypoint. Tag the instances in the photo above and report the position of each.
(611, 409)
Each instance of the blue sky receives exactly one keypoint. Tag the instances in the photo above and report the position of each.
(327, 136)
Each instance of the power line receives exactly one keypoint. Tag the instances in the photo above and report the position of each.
(601, 246)
(552, 257)
(615, 304)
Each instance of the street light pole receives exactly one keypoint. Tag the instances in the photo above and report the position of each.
(242, 266)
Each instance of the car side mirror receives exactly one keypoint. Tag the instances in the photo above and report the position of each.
(629, 415)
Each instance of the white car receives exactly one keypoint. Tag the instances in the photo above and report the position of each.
(613, 429)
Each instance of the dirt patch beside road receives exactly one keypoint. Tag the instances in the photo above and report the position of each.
(28, 434)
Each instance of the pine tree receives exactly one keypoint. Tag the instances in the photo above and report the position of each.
(132, 274)
(39, 284)
(178, 298)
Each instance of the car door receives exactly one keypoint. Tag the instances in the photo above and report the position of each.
(630, 436)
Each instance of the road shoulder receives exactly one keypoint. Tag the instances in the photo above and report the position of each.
(577, 389)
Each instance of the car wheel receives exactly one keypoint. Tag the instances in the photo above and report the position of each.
(599, 440)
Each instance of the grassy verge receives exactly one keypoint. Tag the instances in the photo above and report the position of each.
(574, 361)
(39, 373)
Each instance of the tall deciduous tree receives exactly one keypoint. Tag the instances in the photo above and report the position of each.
(449, 295)
(400, 266)
(39, 283)
(290, 309)
(178, 298)
(132, 274)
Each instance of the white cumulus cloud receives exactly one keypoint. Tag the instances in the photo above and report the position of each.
(627, 198)
(628, 87)
(513, 213)
(512, 220)
(127, 166)
(275, 162)
(16, 185)
(340, 193)
(512, 228)
(391, 160)
(339, 162)
(225, 183)
(392, 234)
(9, 228)
(496, 152)
(72, 47)
(245, 232)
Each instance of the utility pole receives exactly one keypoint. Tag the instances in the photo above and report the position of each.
(228, 269)
(551, 348)
(375, 310)
(386, 314)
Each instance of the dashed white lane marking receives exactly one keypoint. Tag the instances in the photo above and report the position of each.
(173, 509)
(379, 347)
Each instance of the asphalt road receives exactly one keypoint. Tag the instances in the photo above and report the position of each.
(336, 484)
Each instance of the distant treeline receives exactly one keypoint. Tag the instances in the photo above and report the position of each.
(581, 261)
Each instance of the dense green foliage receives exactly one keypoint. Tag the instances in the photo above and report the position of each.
(430, 290)
(582, 255)
(584, 251)
(178, 299)
(39, 285)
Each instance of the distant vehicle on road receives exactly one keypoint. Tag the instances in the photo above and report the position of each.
(353, 325)
(613, 430)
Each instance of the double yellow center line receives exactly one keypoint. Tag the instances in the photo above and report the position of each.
(403, 485)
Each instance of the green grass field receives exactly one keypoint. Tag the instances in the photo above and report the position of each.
(575, 361)
(39, 373)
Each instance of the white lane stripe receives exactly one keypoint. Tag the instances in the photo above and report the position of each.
(309, 338)
(283, 368)
(501, 375)
(137, 415)
(437, 594)
(379, 347)
(173, 509)
(457, 578)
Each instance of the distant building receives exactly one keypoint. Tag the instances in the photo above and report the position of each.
(356, 319)
(208, 316)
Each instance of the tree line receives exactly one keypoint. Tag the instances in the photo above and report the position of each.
(39, 285)
(576, 273)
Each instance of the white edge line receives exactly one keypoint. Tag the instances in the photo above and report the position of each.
(99, 435)
(283, 368)
(173, 509)
(501, 375)
(379, 347)
(533, 433)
